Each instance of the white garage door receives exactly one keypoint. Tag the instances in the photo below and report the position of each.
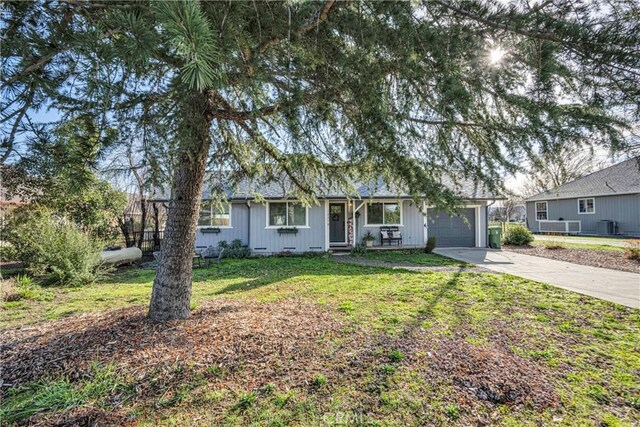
(453, 230)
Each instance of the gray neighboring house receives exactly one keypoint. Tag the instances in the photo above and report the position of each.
(606, 202)
(274, 222)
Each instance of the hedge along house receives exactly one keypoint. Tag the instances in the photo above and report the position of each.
(606, 202)
(274, 222)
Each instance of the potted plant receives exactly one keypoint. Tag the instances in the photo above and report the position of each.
(368, 239)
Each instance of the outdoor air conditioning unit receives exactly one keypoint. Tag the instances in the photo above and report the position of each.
(606, 227)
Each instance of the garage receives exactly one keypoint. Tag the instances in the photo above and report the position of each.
(453, 230)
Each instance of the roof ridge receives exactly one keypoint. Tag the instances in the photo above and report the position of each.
(576, 182)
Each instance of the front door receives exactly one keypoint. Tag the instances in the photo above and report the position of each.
(337, 223)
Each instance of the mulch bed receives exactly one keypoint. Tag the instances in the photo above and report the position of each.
(593, 257)
(495, 374)
(251, 344)
(255, 342)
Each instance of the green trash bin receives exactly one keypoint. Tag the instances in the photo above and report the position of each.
(495, 237)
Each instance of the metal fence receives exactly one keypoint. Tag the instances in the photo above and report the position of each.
(150, 241)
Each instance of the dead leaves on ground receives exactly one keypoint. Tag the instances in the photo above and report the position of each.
(243, 345)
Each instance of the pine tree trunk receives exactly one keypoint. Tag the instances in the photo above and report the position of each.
(171, 294)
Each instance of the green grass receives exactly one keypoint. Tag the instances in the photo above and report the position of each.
(412, 256)
(589, 347)
(60, 394)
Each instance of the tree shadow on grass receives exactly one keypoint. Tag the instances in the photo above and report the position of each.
(268, 271)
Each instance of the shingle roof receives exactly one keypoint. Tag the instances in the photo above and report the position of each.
(282, 189)
(621, 178)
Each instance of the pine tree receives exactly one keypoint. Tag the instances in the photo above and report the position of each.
(323, 91)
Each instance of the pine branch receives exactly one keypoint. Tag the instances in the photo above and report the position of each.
(250, 54)
(321, 16)
(8, 144)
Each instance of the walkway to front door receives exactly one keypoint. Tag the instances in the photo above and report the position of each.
(337, 224)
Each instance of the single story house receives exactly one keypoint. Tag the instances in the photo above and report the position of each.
(277, 223)
(606, 202)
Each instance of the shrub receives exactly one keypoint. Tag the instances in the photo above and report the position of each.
(632, 251)
(8, 253)
(518, 236)
(235, 249)
(359, 249)
(430, 245)
(54, 250)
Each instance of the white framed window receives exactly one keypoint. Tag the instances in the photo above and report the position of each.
(286, 214)
(587, 206)
(384, 213)
(214, 215)
(542, 211)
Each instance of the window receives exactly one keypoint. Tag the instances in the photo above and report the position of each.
(286, 214)
(213, 215)
(541, 211)
(586, 206)
(384, 213)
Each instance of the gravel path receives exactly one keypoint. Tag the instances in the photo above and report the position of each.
(348, 259)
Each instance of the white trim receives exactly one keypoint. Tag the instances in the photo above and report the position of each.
(383, 201)
(566, 225)
(585, 205)
(546, 210)
(198, 227)
(306, 212)
(627, 193)
(353, 224)
(327, 244)
(346, 229)
(425, 223)
(478, 227)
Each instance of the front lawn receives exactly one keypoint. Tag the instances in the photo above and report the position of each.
(295, 341)
(412, 257)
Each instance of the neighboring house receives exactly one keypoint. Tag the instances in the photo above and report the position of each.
(8, 204)
(606, 202)
(276, 223)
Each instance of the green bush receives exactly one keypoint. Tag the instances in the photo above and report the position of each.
(359, 249)
(8, 253)
(430, 245)
(54, 250)
(235, 249)
(518, 236)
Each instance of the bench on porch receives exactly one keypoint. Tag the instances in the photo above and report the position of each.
(391, 235)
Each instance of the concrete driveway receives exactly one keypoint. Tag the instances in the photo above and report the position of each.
(616, 286)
